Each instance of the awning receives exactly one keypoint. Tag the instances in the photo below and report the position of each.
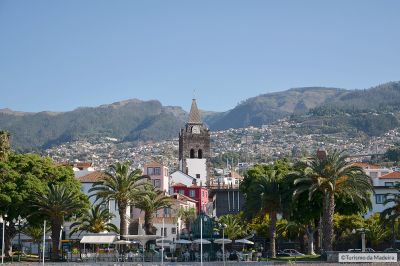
(98, 239)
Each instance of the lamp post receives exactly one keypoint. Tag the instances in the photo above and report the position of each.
(59, 242)
(2, 244)
(44, 240)
(223, 226)
(362, 231)
(18, 222)
(162, 241)
(201, 240)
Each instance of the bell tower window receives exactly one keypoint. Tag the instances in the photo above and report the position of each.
(191, 153)
(200, 154)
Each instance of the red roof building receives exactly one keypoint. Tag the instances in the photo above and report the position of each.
(392, 175)
(198, 193)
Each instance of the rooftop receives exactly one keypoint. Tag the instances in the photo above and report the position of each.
(393, 175)
(92, 177)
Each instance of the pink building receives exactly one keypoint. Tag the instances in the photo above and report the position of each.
(159, 174)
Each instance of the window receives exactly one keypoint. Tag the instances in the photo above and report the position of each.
(373, 174)
(181, 191)
(157, 170)
(200, 154)
(150, 170)
(389, 184)
(192, 193)
(380, 198)
(197, 175)
(153, 170)
(167, 212)
(157, 183)
(173, 231)
(163, 231)
(191, 153)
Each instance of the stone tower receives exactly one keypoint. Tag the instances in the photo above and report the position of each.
(194, 147)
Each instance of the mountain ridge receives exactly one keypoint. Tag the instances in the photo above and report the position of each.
(139, 120)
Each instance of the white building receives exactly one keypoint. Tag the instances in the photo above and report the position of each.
(87, 182)
(383, 180)
(179, 177)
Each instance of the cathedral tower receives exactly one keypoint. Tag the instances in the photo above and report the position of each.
(194, 147)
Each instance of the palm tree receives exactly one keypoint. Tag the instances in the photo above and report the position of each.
(235, 228)
(333, 174)
(55, 205)
(35, 232)
(263, 191)
(391, 214)
(119, 184)
(150, 200)
(95, 220)
(188, 216)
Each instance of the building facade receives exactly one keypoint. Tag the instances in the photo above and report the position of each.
(197, 193)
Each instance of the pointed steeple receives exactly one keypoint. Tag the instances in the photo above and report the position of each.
(194, 115)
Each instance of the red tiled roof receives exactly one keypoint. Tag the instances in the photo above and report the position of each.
(179, 185)
(92, 177)
(366, 165)
(392, 175)
(183, 197)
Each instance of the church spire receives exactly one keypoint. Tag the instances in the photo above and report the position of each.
(194, 115)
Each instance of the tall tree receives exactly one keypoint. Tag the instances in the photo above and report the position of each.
(264, 188)
(150, 200)
(391, 214)
(118, 184)
(23, 175)
(56, 204)
(333, 174)
(95, 220)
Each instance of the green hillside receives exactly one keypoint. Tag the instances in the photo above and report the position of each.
(316, 109)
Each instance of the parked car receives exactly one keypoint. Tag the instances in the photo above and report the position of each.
(354, 250)
(391, 250)
(280, 253)
(359, 250)
(293, 252)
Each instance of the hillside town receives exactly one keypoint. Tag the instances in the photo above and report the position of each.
(252, 145)
(189, 189)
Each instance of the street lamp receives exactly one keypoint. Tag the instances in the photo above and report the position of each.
(60, 241)
(18, 222)
(2, 244)
(201, 236)
(362, 231)
(223, 226)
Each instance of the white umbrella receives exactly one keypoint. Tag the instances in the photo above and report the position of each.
(199, 241)
(222, 240)
(163, 243)
(122, 242)
(244, 241)
(142, 238)
(183, 241)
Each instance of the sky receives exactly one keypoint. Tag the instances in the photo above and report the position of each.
(60, 55)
